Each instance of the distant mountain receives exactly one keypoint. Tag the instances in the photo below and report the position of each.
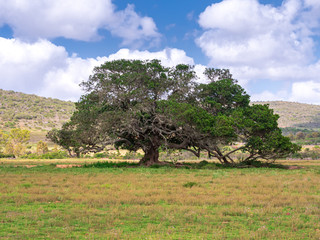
(42, 114)
(32, 112)
(296, 115)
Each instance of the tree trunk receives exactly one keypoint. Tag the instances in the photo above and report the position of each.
(223, 159)
(151, 156)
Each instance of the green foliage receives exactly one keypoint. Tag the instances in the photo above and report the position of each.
(135, 104)
(190, 184)
(48, 155)
(101, 155)
(302, 136)
(307, 154)
(9, 125)
(110, 165)
(296, 115)
(42, 147)
(132, 155)
(14, 142)
(113, 155)
(2, 155)
(31, 111)
(222, 96)
(257, 126)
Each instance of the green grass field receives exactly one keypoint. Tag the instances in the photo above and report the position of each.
(40, 201)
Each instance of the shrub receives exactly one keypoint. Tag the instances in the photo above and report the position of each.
(190, 184)
(42, 147)
(55, 155)
(49, 155)
(110, 165)
(101, 155)
(132, 155)
(307, 154)
(2, 155)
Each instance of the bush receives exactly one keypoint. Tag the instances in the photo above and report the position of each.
(49, 155)
(307, 154)
(132, 155)
(101, 155)
(55, 155)
(110, 165)
(190, 184)
(128, 155)
(2, 155)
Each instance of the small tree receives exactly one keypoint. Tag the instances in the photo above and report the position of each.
(42, 147)
(15, 142)
(3, 139)
(300, 135)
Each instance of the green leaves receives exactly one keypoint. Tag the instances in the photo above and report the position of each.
(144, 105)
(222, 96)
(14, 142)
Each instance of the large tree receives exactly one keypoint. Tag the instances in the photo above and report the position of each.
(143, 105)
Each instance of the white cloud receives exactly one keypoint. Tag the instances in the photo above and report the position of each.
(246, 33)
(307, 92)
(269, 96)
(304, 92)
(75, 20)
(22, 65)
(63, 83)
(45, 69)
(259, 42)
(132, 28)
(42, 68)
(168, 57)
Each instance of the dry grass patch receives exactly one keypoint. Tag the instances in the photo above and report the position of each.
(163, 203)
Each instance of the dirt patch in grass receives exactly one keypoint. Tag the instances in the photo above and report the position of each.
(68, 165)
(26, 166)
(294, 167)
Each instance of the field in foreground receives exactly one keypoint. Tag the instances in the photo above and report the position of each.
(45, 202)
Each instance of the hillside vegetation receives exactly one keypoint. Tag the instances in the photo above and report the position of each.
(32, 112)
(296, 115)
(41, 114)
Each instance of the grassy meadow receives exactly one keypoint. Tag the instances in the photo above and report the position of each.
(40, 201)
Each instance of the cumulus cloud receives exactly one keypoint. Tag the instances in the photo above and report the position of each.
(248, 33)
(80, 20)
(308, 92)
(64, 82)
(270, 96)
(304, 92)
(23, 64)
(45, 69)
(258, 41)
(169, 57)
(42, 68)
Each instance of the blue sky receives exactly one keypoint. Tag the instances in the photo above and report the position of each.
(47, 47)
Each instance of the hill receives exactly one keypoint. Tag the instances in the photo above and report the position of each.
(296, 115)
(32, 112)
(40, 114)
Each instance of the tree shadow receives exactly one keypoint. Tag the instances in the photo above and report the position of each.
(192, 165)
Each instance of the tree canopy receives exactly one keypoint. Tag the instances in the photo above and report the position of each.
(137, 104)
(14, 142)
